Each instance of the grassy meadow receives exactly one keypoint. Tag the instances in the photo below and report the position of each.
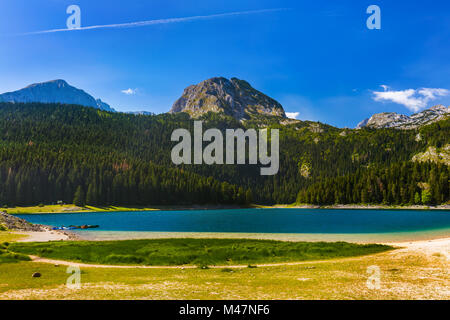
(200, 252)
(403, 276)
(6, 256)
(68, 208)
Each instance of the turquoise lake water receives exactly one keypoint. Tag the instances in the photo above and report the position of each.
(263, 221)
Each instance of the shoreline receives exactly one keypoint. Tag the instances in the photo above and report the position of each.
(51, 209)
(46, 236)
(378, 238)
(361, 207)
(289, 237)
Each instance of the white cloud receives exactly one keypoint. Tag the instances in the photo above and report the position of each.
(413, 99)
(292, 115)
(433, 93)
(130, 91)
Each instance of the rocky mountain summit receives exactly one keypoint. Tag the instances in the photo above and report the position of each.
(401, 121)
(56, 91)
(233, 97)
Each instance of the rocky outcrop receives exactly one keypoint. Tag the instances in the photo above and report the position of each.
(400, 121)
(15, 223)
(433, 154)
(233, 97)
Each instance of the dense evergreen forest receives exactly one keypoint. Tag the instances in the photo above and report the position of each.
(51, 152)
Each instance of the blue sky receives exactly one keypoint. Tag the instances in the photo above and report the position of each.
(317, 58)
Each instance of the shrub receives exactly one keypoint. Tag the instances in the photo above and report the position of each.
(45, 250)
(123, 258)
(11, 257)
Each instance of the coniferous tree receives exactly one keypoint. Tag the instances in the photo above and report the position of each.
(79, 198)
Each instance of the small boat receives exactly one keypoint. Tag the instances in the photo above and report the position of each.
(63, 228)
(76, 227)
(90, 226)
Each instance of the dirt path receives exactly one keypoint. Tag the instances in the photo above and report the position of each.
(240, 266)
(430, 247)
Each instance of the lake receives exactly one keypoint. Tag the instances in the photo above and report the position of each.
(317, 224)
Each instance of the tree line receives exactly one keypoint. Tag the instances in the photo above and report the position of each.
(51, 152)
(405, 183)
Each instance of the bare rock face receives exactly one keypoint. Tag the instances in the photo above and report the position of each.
(400, 121)
(433, 154)
(15, 223)
(233, 97)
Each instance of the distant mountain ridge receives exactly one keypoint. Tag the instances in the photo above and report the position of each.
(141, 113)
(401, 121)
(234, 97)
(55, 91)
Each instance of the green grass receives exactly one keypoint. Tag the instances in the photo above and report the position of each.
(40, 209)
(200, 252)
(7, 256)
(68, 208)
(71, 208)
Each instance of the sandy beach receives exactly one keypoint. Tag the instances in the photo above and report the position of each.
(45, 236)
(435, 247)
(399, 237)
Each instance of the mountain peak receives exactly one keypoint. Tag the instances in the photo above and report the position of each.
(59, 83)
(54, 91)
(401, 121)
(233, 97)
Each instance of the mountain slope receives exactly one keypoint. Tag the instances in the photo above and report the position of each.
(56, 91)
(234, 97)
(400, 121)
(49, 151)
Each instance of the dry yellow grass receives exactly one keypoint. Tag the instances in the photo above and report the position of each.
(7, 236)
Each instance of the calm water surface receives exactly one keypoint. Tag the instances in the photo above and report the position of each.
(292, 221)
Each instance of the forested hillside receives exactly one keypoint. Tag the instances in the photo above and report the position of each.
(51, 152)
